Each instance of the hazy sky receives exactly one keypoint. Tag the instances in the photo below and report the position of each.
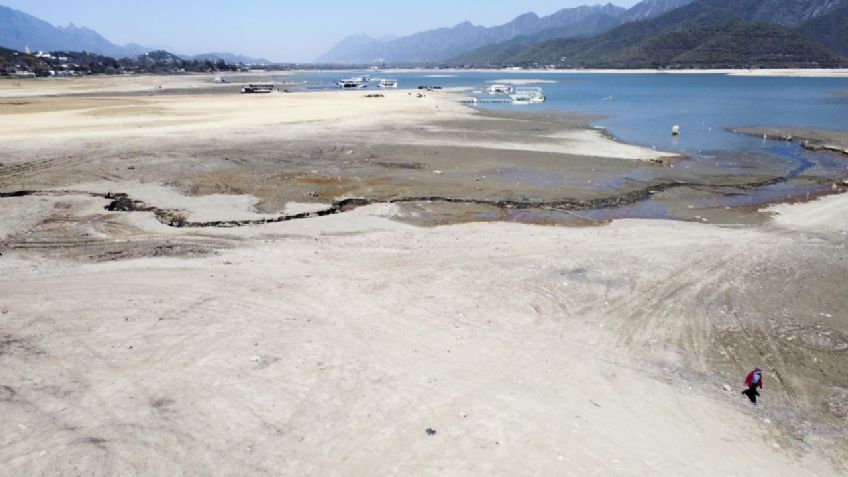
(278, 30)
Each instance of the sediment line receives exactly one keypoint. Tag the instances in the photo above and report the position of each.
(175, 218)
(810, 145)
(122, 202)
(814, 145)
(47, 193)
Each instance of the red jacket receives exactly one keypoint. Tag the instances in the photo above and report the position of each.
(750, 379)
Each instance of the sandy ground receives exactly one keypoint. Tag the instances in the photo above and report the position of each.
(88, 118)
(102, 84)
(803, 73)
(330, 345)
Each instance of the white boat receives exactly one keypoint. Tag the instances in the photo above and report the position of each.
(353, 83)
(258, 88)
(500, 89)
(388, 83)
(528, 96)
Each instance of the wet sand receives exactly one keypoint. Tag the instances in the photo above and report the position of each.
(461, 164)
(159, 316)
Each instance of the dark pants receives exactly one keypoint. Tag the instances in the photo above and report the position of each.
(752, 393)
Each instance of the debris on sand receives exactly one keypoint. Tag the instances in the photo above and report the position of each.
(122, 203)
(430, 431)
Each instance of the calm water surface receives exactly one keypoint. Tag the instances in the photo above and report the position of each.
(642, 108)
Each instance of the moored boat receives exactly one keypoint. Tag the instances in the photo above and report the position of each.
(258, 88)
(528, 96)
(500, 89)
(353, 83)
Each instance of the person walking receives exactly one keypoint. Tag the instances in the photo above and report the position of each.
(753, 381)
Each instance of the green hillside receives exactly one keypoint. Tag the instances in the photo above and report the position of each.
(830, 30)
(704, 34)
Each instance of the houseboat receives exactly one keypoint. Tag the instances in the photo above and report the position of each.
(353, 83)
(500, 89)
(528, 96)
(258, 88)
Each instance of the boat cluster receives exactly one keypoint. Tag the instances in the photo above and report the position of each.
(361, 82)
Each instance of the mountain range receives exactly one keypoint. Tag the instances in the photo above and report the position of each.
(830, 29)
(444, 43)
(702, 33)
(19, 30)
(653, 33)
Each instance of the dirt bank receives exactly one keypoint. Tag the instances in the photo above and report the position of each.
(811, 139)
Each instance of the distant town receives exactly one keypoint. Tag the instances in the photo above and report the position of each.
(32, 64)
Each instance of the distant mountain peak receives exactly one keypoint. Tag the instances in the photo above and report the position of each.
(526, 20)
(19, 30)
(72, 28)
(527, 16)
(607, 7)
(651, 8)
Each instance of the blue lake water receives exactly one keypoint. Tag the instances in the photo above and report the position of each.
(642, 108)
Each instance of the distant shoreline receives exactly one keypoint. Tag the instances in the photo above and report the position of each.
(795, 72)
(789, 72)
(774, 73)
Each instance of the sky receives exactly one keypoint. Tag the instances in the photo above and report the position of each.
(283, 30)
